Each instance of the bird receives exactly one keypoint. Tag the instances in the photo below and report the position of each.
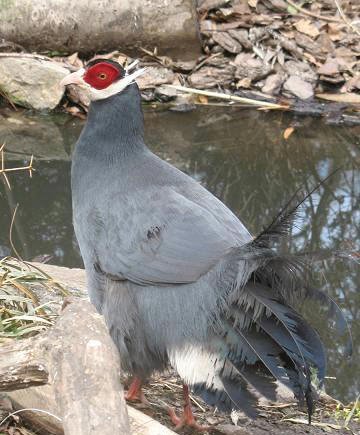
(179, 279)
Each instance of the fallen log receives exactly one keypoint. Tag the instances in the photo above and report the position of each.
(79, 362)
(96, 26)
(70, 375)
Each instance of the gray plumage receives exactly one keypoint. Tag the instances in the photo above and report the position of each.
(176, 274)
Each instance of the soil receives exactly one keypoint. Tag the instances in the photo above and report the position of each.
(166, 391)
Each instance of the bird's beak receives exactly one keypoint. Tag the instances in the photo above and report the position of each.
(75, 78)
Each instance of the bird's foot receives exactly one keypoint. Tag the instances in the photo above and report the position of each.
(186, 420)
(136, 394)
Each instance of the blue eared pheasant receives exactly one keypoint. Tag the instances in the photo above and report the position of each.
(179, 279)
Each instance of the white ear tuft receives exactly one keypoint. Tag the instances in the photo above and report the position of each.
(115, 88)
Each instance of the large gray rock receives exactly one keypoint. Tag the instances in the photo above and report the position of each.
(299, 87)
(32, 82)
(44, 136)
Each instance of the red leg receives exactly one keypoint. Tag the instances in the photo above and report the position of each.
(187, 419)
(135, 393)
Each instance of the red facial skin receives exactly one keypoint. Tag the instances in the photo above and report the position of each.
(101, 75)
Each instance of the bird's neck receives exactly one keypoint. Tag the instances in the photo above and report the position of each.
(115, 127)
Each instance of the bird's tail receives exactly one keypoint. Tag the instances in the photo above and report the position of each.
(261, 340)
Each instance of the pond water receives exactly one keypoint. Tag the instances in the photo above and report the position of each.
(240, 156)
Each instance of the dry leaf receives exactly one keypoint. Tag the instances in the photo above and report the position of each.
(288, 132)
(244, 83)
(203, 99)
(75, 61)
(252, 3)
(305, 26)
(334, 31)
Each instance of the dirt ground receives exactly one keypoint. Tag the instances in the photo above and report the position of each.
(166, 391)
(273, 419)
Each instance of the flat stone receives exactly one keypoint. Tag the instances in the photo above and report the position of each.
(227, 42)
(155, 76)
(242, 36)
(165, 93)
(229, 429)
(299, 87)
(273, 84)
(301, 69)
(210, 77)
(250, 67)
(32, 82)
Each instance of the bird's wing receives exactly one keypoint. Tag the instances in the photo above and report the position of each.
(166, 239)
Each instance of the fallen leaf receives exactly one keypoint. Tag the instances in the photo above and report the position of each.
(203, 99)
(244, 83)
(305, 26)
(288, 132)
(252, 3)
(334, 31)
(75, 61)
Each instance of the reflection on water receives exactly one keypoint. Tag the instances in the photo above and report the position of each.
(241, 157)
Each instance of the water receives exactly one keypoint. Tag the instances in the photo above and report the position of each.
(242, 157)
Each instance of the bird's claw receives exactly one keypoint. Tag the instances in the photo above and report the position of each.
(186, 420)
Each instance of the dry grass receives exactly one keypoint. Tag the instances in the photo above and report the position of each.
(21, 314)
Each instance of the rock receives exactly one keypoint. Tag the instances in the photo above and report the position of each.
(210, 77)
(183, 103)
(155, 76)
(242, 36)
(229, 429)
(165, 93)
(227, 42)
(32, 82)
(219, 61)
(330, 67)
(299, 87)
(301, 69)
(351, 84)
(273, 84)
(250, 67)
(79, 95)
(325, 43)
(205, 5)
(279, 5)
(184, 66)
(306, 42)
(43, 136)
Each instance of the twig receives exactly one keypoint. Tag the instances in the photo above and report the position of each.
(346, 21)
(263, 104)
(311, 14)
(205, 61)
(11, 231)
(4, 171)
(26, 55)
(29, 409)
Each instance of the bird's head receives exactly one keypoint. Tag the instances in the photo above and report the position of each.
(103, 78)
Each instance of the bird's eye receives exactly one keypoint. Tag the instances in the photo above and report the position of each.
(102, 76)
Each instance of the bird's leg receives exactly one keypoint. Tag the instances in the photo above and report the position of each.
(135, 392)
(187, 419)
